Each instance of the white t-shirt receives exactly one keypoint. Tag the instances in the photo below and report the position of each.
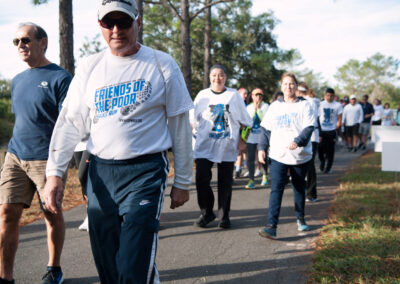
(257, 116)
(314, 102)
(378, 112)
(286, 121)
(128, 102)
(352, 114)
(217, 119)
(328, 115)
(387, 117)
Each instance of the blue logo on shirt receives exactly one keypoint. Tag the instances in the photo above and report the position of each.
(327, 116)
(285, 121)
(256, 128)
(125, 97)
(221, 124)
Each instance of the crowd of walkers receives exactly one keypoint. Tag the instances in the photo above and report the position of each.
(123, 110)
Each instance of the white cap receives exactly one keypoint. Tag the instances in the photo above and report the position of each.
(125, 6)
(302, 89)
(353, 97)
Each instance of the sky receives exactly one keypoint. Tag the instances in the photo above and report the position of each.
(327, 33)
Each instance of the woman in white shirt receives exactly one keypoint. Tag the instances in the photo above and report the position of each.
(257, 110)
(287, 129)
(218, 114)
(388, 116)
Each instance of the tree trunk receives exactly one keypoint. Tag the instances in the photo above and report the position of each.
(140, 8)
(186, 48)
(66, 31)
(207, 46)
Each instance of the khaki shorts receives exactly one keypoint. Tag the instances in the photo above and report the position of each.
(21, 179)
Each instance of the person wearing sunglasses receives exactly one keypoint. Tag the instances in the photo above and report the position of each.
(138, 107)
(37, 95)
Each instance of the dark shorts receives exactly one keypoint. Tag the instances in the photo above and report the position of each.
(352, 130)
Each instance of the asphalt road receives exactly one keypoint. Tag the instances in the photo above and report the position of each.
(187, 254)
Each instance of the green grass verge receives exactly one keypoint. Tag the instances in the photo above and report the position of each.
(361, 243)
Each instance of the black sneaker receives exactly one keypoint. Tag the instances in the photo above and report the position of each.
(53, 275)
(237, 173)
(4, 281)
(322, 167)
(204, 220)
(225, 224)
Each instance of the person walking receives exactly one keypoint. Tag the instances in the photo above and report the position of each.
(219, 114)
(257, 110)
(242, 150)
(351, 119)
(365, 126)
(138, 106)
(36, 99)
(311, 181)
(387, 119)
(378, 112)
(287, 128)
(330, 119)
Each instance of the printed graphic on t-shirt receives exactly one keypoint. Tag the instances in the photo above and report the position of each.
(124, 97)
(220, 118)
(256, 128)
(285, 121)
(328, 112)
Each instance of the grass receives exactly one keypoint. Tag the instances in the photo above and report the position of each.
(361, 243)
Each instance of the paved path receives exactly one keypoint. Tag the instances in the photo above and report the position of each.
(187, 254)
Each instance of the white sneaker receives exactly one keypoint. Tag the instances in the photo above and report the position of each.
(85, 225)
(257, 173)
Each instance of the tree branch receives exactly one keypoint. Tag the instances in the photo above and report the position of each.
(167, 4)
(207, 6)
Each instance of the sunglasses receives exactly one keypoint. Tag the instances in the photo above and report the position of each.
(122, 23)
(24, 40)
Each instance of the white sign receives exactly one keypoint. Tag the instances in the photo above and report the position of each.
(391, 156)
(384, 134)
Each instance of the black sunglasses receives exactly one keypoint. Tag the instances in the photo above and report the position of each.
(122, 23)
(24, 40)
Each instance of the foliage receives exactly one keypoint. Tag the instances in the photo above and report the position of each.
(5, 88)
(243, 43)
(91, 46)
(373, 76)
(360, 243)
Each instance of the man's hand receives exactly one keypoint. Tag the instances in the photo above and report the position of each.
(292, 146)
(53, 194)
(178, 197)
(261, 156)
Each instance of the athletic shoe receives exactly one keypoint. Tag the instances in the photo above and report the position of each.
(321, 167)
(204, 220)
(250, 185)
(53, 276)
(246, 174)
(301, 225)
(363, 147)
(354, 149)
(225, 224)
(237, 173)
(257, 173)
(85, 225)
(3, 281)
(268, 232)
(264, 180)
(328, 171)
(312, 199)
